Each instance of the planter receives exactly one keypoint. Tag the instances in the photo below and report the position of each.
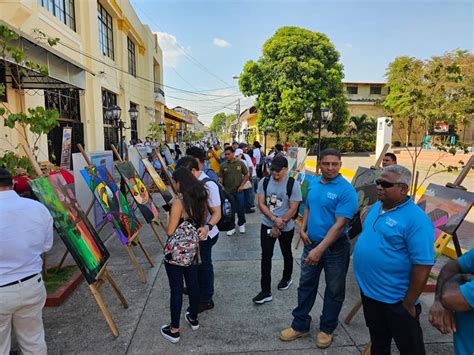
(66, 287)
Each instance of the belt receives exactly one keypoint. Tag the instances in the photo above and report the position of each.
(18, 281)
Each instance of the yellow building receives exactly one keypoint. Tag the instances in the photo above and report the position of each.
(105, 57)
(176, 125)
(365, 98)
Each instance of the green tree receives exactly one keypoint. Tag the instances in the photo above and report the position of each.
(362, 125)
(221, 122)
(298, 69)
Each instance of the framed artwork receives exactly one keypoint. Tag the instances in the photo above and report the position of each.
(158, 181)
(446, 207)
(72, 225)
(112, 201)
(138, 190)
(165, 169)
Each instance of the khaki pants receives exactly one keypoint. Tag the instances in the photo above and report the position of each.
(21, 305)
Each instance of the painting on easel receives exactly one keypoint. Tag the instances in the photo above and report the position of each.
(138, 190)
(74, 228)
(112, 201)
(446, 207)
(158, 181)
(365, 176)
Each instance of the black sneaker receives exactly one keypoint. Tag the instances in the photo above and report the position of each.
(262, 297)
(194, 324)
(205, 306)
(167, 334)
(285, 284)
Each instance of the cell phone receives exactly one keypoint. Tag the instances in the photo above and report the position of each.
(269, 232)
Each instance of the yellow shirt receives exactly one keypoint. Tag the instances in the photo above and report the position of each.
(213, 162)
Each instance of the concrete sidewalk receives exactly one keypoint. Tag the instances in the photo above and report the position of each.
(235, 325)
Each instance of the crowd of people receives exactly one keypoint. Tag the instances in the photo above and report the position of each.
(392, 258)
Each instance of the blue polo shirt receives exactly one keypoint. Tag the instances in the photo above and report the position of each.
(390, 244)
(463, 337)
(326, 201)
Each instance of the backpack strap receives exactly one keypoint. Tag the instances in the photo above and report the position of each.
(289, 186)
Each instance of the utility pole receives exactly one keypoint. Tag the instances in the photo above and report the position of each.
(237, 113)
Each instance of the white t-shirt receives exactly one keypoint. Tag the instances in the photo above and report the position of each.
(213, 200)
(249, 163)
(256, 155)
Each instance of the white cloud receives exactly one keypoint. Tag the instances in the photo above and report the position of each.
(219, 42)
(172, 50)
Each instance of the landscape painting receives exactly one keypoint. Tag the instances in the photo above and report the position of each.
(112, 201)
(138, 191)
(446, 207)
(72, 225)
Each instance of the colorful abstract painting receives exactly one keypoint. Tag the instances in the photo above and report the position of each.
(72, 225)
(112, 201)
(158, 181)
(138, 191)
(446, 207)
(165, 170)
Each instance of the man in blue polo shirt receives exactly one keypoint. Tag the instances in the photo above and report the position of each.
(453, 308)
(392, 260)
(330, 204)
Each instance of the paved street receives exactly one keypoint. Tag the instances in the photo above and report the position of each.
(235, 325)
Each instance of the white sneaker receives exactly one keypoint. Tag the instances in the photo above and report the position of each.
(242, 228)
(231, 232)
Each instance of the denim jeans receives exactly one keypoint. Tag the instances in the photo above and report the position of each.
(255, 181)
(206, 270)
(239, 199)
(249, 197)
(267, 244)
(175, 277)
(335, 262)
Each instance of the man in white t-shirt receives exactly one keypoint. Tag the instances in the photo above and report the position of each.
(194, 161)
(257, 154)
(249, 194)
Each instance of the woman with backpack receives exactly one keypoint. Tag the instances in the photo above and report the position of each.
(187, 214)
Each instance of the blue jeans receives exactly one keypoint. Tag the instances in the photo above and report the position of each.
(206, 270)
(249, 197)
(335, 262)
(239, 199)
(175, 277)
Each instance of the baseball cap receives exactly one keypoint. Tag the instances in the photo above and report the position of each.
(278, 163)
(5, 177)
(238, 151)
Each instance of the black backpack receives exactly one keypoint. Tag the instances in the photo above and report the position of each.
(227, 221)
(289, 189)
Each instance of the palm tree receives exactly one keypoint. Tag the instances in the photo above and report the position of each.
(362, 125)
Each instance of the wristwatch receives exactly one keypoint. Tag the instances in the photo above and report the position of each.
(210, 226)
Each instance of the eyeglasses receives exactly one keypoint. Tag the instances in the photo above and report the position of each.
(387, 184)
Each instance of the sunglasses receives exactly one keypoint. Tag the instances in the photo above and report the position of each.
(387, 184)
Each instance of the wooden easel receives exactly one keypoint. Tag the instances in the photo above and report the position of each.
(102, 277)
(133, 240)
(152, 224)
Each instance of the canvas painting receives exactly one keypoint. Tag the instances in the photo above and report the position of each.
(103, 158)
(165, 169)
(138, 191)
(72, 225)
(112, 201)
(158, 181)
(307, 179)
(446, 207)
(365, 176)
(168, 157)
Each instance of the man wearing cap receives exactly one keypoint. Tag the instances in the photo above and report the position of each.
(330, 204)
(278, 199)
(22, 292)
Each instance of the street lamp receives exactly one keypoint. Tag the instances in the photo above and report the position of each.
(323, 119)
(245, 132)
(113, 113)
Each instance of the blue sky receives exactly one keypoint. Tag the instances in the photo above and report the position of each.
(206, 43)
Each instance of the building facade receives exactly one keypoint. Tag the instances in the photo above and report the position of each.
(105, 56)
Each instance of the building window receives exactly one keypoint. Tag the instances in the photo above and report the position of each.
(134, 124)
(61, 9)
(106, 36)
(352, 90)
(132, 65)
(109, 99)
(375, 90)
(65, 101)
(3, 82)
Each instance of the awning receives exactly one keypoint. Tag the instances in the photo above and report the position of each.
(63, 73)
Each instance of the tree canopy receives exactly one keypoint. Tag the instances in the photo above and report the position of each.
(298, 69)
(220, 122)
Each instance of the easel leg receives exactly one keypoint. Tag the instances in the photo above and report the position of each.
(135, 262)
(457, 246)
(104, 310)
(60, 265)
(353, 312)
(298, 243)
(142, 247)
(157, 234)
(116, 289)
